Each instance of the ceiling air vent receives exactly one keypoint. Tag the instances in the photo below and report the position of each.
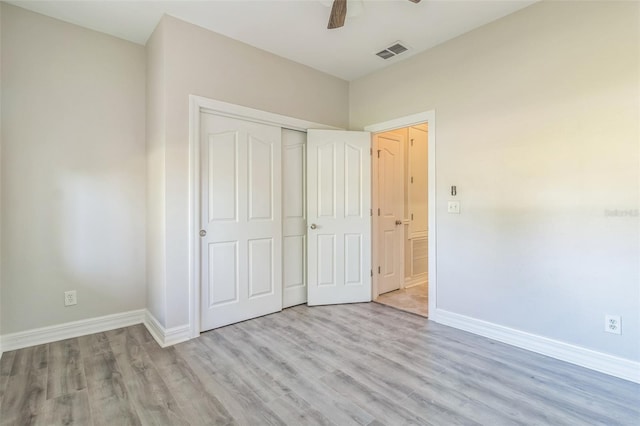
(393, 50)
(385, 54)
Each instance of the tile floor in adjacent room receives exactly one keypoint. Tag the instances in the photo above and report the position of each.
(412, 299)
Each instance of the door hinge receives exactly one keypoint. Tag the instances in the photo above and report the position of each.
(411, 179)
(372, 272)
(370, 212)
(411, 216)
(411, 142)
(370, 151)
(378, 269)
(378, 153)
(378, 211)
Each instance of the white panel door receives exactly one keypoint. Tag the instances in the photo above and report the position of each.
(241, 225)
(390, 229)
(339, 221)
(294, 239)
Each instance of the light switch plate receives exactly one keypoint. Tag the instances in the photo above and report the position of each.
(453, 207)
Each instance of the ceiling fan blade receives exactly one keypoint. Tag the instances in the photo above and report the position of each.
(338, 13)
(415, 1)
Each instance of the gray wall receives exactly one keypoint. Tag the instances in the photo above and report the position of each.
(537, 125)
(200, 62)
(73, 172)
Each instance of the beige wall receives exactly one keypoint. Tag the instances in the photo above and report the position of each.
(73, 172)
(200, 62)
(537, 124)
(156, 180)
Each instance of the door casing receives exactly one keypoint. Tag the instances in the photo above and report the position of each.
(398, 123)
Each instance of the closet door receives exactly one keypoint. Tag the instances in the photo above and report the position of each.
(294, 239)
(241, 223)
(339, 216)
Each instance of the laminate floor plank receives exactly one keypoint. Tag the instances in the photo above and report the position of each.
(24, 397)
(152, 399)
(30, 359)
(259, 380)
(245, 407)
(306, 362)
(345, 365)
(368, 343)
(540, 383)
(6, 363)
(109, 398)
(305, 384)
(94, 344)
(383, 408)
(68, 409)
(294, 410)
(109, 401)
(100, 367)
(198, 405)
(65, 372)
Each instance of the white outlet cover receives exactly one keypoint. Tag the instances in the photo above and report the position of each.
(613, 324)
(70, 298)
(453, 207)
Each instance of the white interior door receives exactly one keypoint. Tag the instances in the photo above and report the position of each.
(294, 225)
(390, 228)
(339, 217)
(241, 225)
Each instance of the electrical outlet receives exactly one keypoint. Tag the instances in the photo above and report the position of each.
(70, 298)
(612, 324)
(453, 207)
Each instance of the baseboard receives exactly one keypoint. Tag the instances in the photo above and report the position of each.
(54, 333)
(415, 281)
(598, 361)
(166, 336)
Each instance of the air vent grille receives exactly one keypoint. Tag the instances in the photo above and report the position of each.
(397, 48)
(385, 54)
(393, 50)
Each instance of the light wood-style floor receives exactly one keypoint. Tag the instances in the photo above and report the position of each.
(363, 364)
(411, 299)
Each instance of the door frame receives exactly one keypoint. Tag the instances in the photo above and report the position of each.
(198, 104)
(428, 117)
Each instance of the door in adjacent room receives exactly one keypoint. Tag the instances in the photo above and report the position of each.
(389, 233)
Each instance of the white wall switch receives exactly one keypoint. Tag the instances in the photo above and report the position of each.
(453, 207)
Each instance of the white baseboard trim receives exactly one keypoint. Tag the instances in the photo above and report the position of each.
(54, 333)
(166, 336)
(598, 361)
(415, 281)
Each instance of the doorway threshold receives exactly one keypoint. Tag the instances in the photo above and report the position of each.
(412, 299)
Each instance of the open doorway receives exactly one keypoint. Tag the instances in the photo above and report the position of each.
(400, 225)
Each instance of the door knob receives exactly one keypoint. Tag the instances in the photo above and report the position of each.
(398, 222)
(203, 233)
(313, 226)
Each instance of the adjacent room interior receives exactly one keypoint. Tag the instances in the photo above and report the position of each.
(400, 232)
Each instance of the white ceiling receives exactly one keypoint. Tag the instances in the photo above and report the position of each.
(295, 29)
